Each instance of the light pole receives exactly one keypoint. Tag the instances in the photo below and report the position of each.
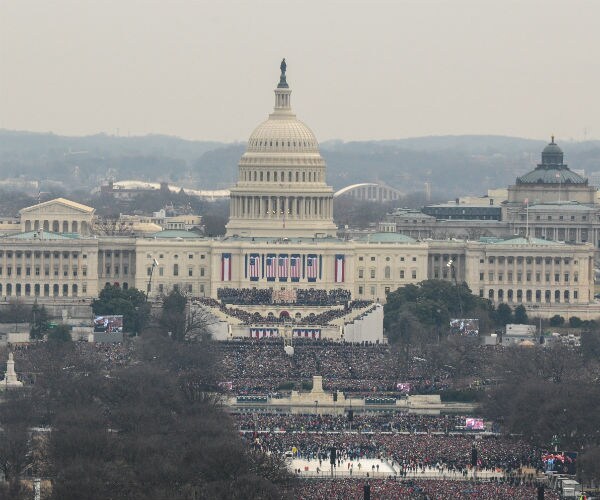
(154, 264)
(450, 265)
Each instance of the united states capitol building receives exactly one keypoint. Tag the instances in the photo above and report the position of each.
(281, 238)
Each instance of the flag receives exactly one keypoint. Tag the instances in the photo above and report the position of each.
(282, 267)
(311, 267)
(295, 267)
(226, 267)
(270, 267)
(254, 267)
(339, 268)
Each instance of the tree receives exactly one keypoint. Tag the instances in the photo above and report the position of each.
(130, 303)
(59, 334)
(182, 319)
(427, 308)
(39, 321)
(557, 320)
(520, 315)
(504, 315)
(575, 322)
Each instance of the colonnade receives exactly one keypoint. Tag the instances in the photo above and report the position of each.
(294, 207)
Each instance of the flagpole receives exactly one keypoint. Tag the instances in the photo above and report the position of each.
(527, 218)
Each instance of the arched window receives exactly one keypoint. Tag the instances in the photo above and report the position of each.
(289, 176)
(269, 177)
(27, 289)
(125, 286)
(18, 289)
(557, 296)
(528, 296)
(74, 227)
(27, 226)
(566, 295)
(501, 295)
(36, 290)
(491, 294)
(55, 226)
(519, 295)
(36, 225)
(46, 225)
(509, 294)
(55, 290)
(8, 289)
(387, 272)
(65, 226)
(275, 176)
(74, 290)
(65, 290)
(547, 296)
(46, 290)
(538, 295)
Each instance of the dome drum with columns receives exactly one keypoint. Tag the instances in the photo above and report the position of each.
(281, 189)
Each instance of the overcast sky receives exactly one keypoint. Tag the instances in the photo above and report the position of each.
(358, 69)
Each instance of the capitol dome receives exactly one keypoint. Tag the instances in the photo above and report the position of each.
(281, 188)
(281, 134)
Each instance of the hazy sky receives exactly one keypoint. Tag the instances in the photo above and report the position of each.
(358, 69)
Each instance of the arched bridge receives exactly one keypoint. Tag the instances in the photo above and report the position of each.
(370, 191)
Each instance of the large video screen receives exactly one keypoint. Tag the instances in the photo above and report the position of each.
(464, 326)
(562, 462)
(108, 324)
(475, 424)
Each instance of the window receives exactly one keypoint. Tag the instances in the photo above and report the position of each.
(414, 275)
(161, 271)
(401, 259)
(480, 276)
(360, 290)
(491, 276)
(372, 259)
(190, 271)
(175, 269)
(528, 276)
(538, 277)
(401, 274)
(18, 270)
(373, 291)
(547, 277)
(519, 277)
(556, 277)
(566, 276)
(509, 276)
(372, 273)
(361, 273)
(500, 276)
(148, 271)
(27, 271)
(414, 259)
(84, 288)
(84, 271)
(190, 256)
(201, 271)
(387, 272)
(387, 290)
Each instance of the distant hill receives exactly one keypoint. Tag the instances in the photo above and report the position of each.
(454, 165)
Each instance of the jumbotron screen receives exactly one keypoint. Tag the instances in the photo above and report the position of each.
(108, 324)
(464, 326)
(562, 462)
(475, 424)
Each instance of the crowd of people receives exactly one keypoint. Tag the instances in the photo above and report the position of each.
(300, 297)
(388, 421)
(263, 367)
(405, 452)
(393, 489)
(252, 318)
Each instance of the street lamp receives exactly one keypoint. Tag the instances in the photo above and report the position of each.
(154, 264)
(450, 265)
